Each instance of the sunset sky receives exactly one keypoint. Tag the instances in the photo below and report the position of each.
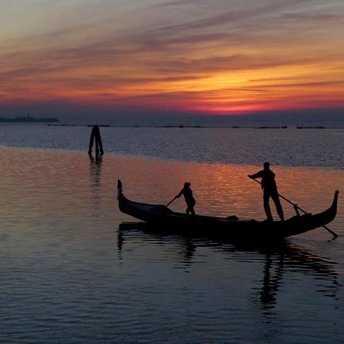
(121, 57)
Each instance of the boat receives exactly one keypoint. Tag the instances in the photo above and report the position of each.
(165, 220)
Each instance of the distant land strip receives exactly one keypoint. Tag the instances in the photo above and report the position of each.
(28, 119)
(193, 126)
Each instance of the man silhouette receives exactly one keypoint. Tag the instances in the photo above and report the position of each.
(270, 190)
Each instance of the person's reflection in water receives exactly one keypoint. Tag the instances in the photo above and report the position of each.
(280, 259)
(270, 283)
(189, 249)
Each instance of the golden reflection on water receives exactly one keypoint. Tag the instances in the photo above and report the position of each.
(226, 189)
(70, 185)
(61, 249)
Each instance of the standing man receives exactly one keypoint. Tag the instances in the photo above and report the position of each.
(270, 190)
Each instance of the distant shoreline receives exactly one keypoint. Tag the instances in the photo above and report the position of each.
(28, 119)
(52, 121)
(195, 126)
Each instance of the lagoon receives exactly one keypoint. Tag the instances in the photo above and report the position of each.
(70, 274)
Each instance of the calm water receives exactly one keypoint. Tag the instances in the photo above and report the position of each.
(284, 147)
(74, 271)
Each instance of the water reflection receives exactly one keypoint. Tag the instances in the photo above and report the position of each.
(95, 161)
(187, 245)
(280, 261)
(95, 174)
(285, 259)
(270, 283)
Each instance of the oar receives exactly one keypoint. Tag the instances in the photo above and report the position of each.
(297, 207)
(170, 201)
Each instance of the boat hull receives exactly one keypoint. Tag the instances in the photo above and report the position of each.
(165, 220)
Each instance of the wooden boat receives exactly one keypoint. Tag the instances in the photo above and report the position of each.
(165, 220)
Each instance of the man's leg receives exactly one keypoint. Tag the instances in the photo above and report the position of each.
(278, 205)
(267, 209)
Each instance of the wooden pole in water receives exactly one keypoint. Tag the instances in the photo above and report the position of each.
(97, 140)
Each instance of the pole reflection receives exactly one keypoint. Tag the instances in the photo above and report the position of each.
(95, 176)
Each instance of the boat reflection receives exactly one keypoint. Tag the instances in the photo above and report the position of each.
(280, 260)
(187, 245)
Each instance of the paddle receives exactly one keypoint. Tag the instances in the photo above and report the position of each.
(170, 202)
(296, 207)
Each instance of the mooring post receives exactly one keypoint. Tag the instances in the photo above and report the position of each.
(97, 140)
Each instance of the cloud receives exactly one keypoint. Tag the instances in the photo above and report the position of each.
(170, 52)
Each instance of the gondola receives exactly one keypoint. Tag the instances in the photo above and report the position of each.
(164, 220)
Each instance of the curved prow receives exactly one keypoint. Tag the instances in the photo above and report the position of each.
(332, 212)
(335, 201)
(329, 214)
(119, 188)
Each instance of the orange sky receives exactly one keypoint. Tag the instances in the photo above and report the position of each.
(214, 57)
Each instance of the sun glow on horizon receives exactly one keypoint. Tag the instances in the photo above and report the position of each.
(226, 57)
